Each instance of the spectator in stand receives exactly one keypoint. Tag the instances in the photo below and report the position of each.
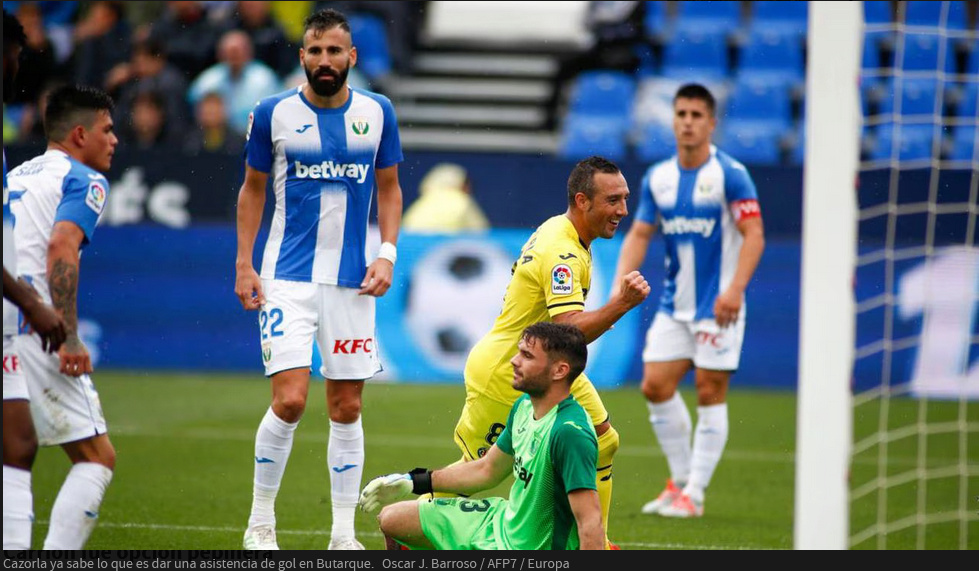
(445, 203)
(147, 128)
(190, 37)
(149, 71)
(102, 41)
(239, 79)
(213, 134)
(38, 59)
(268, 38)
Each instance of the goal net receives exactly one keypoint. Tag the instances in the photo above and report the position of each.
(888, 426)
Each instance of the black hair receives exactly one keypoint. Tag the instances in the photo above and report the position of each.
(697, 91)
(560, 341)
(325, 20)
(13, 32)
(73, 105)
(582, 177)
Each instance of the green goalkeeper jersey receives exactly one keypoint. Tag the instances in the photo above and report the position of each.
(552, 456)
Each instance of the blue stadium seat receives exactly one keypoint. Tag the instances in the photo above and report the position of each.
(922, 52)
(964, 144)
(760, 103)
(655, 22)
(918, 96)
(656, 142)
(370, 38)
(603, 92)
(699, 56)
(968, 105)
(723, 18)
(783, 17)
(772, 58)
(877, 12)
(583, 136)
(915, 142)
(922, 13)
(750, 142)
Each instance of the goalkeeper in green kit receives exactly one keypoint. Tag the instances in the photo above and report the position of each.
(550, 447)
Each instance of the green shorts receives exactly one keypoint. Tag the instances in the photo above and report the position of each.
(462, 523)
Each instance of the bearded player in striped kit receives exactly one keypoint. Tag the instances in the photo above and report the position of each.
(325, 147)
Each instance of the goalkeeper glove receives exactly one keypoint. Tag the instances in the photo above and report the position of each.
(386, 490)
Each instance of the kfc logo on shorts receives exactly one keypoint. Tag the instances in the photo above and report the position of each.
(352, 346)
(11, 364)
(712, 339)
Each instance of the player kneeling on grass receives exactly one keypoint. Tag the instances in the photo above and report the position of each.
(550, 446)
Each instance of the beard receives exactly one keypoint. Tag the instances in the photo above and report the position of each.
(328, 84)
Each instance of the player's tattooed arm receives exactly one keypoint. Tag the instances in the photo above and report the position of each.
(64, 295)
(66, 238)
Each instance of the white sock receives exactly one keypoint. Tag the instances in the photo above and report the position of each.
(345, 456)
(18, 511)
(708, 445)
(273, 443)
(76, 508)
(672, 425)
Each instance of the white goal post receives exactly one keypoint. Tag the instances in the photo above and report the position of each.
(829, 232)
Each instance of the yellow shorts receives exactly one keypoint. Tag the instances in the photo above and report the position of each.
(483, 419)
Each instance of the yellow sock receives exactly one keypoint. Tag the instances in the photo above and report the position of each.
(608, 445)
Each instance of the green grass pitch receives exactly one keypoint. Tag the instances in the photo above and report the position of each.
(185, 445)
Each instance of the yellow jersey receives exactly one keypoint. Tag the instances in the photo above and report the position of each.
(551, 276)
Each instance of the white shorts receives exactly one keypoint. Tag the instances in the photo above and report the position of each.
(14, 382)
(340, 321)
(65, 409)
(704, 342)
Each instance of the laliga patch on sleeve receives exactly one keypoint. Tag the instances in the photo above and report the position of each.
(562, 280)
(95, 198)
(251, 121)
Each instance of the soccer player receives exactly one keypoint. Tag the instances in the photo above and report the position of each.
(707, 205)
(548, 444)
(325, 146)
(19, 438)
(62, 195)
(550, 281)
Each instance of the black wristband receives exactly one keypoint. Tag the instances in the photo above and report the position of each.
(421, 481)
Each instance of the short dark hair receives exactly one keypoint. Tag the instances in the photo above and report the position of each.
(73, 105)
(697, 91)
(560, 341)
(582, 177)
(325, 20)
(13, 32)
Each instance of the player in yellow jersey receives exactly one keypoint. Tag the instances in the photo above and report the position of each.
(549, 282)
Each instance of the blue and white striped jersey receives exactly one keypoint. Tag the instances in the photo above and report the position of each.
(9, 255)
(51, 188)
(698, 210)
(323, 164)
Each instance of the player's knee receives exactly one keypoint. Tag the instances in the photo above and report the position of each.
(345, 411)
(105, 455)
(654, 391)
(386, 519)
(289, 407)
(19, 451)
